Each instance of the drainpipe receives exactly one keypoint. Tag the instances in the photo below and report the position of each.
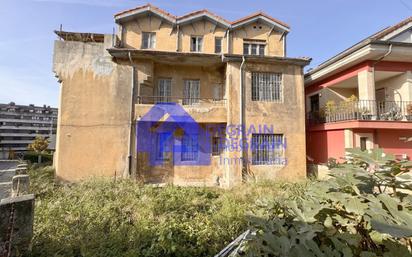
(227, 41)
(373, 66)
(132, 106)
(242, 119)
(177, 37)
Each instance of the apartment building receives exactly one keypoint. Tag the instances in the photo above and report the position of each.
(128, 100)
(20, 124)
(362, 97)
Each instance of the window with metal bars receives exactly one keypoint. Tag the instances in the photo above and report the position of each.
(164, 90)
(191, 93)
(268, 149)
(267, 87)
(190, 147)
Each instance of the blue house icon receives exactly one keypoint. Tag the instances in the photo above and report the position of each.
(168, 134)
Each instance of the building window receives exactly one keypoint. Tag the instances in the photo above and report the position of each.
(216, 146)
(148, 40)
(267, 87)
(164, 90)
(218, 45)
(363, 141)
(162, 146)
(314, 103)
(191, 92)
(190, 147)
(196, 43)
(254, 48)
(268, 149)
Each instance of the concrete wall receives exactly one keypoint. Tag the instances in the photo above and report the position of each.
(398, 88)
(322, 145)
(94, 111)
(168, 38)
(165, 35)
(258, 31)
(287, 118)
(202, 28)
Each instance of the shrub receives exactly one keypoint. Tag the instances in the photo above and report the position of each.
(103, 217)
(32, 157)
(361, 211)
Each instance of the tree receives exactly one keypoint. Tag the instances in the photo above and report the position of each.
(39, 145)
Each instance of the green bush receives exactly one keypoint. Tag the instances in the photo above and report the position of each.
(364, 210)
(103, 217)
(32, 157)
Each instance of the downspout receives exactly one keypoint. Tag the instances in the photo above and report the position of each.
(227, 41)
(177, 37)
(131, 136)
(242, 119)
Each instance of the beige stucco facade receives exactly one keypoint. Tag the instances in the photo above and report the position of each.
(108, 86)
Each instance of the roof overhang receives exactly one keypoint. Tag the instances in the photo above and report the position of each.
(172, 58)
(201, 16)
(266, 59)
(364, 51)
(132, 14)
(261, 18)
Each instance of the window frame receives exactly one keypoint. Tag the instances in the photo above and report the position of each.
(267, 87)
(268, 152)
(198, 48)
(191, 96)
(260, 47)
(216, 145)
(219, 39)
(167, 92)
(192, 145)
(151, 40)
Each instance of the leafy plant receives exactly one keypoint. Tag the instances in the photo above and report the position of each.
(344, 216)
(39, 145)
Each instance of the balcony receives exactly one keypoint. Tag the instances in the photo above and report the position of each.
(202, 110)
(362, 110)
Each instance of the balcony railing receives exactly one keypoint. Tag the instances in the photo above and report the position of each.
(181, 100)
(363, 110)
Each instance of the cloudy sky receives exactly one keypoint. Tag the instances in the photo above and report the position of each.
(320, 29)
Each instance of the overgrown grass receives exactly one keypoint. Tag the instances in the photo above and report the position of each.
(102, 217)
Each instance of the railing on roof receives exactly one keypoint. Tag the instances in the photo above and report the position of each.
(362, 110)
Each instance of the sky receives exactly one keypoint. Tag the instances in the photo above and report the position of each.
(319, 29)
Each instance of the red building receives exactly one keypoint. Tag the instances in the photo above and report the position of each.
(362, 97)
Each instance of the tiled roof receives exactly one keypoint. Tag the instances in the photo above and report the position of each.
(389, 30)
(146, 6)
(204, 11)
(260, 14)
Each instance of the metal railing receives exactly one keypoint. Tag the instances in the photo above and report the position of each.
(192, 101)
(362, 110)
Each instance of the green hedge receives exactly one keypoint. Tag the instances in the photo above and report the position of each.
(33, 157)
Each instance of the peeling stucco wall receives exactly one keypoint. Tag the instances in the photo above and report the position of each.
(94, 111)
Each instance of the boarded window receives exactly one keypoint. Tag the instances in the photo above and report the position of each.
(268, 149)
(267, 87)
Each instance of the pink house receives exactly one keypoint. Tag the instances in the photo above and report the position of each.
(362, 97)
